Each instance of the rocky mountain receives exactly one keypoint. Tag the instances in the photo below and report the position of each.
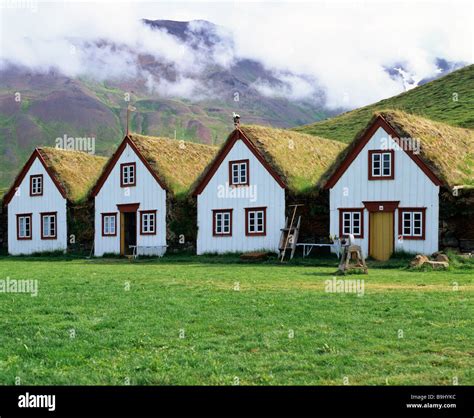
(191, 102)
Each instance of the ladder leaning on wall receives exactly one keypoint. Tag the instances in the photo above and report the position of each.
(289, 235)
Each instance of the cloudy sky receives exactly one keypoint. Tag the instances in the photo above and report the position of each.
(344, 45)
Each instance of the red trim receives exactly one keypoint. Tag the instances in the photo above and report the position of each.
(401, 211)
(103, 224)
(143, 212)
(231, 176)
(214, 211)
(16, 184)
(341, 220)
(256, 234)
(128, 207)
(31, 184)
(379, 122)
(392, 164)
(381, 206)
(231, 140)
(24, 215)
(113, 160)
(55, 214)
(134, 165)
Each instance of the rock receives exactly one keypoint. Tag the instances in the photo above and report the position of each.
(419, 260)
(437, 265)
(442, 257)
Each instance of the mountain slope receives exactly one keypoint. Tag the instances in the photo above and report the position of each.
(449, 99)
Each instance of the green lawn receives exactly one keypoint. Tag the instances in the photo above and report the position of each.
(181, 321)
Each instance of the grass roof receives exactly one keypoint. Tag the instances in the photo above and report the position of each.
(447, 150)
(76, 171)
(177, 163)
(300, 159)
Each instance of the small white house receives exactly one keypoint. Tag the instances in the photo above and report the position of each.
(39, 198)
(383, 191)
(241, 196)
(132, 193)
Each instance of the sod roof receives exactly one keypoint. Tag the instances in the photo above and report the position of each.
(76, 171)
(177, 163)
(447, 150)
(299, 159)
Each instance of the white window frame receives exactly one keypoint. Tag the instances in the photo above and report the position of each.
(148, 223)
(47, 221)
(408, 217)
(239, 172)
(381, 164)
(219, 224)
(36, 185)
(23, 219)
(109, 227)
(253, 226)
(350, 216)
(128, 174)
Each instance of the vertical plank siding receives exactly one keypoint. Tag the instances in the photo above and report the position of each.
(147, 192)
(268, 193)
(51, 200)
(410, 186)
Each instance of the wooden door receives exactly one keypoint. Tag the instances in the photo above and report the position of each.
(381, 235)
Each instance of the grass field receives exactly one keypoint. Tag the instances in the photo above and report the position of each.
(215, 321)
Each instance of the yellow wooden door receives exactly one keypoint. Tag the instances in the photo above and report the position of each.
(122, 233)
(381, 235)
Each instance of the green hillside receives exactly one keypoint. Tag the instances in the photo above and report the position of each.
(449, 99)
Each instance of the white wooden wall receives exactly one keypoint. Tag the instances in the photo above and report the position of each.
(411, 187)
(50, 201)
(147, 192)
(268, 193)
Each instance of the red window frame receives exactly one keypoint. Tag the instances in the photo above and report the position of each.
(44, 214)
(401, 235)
(122, 166)
(221, 234)
(24, 215)
(341, 221)
(36, 176)
(147, 212)
(392, 164)
(260, 233)
(114, 214)
(231, 177)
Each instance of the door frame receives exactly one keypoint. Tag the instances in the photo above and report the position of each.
(126, 208)
(382, 206)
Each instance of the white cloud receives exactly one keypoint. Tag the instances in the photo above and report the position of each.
(344, 45)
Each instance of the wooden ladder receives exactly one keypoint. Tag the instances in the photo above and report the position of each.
(289, 235)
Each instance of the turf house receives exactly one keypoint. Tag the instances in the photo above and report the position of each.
(48, 201)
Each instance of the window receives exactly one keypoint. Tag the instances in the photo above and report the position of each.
(411, 223)
(24, 226)
(128, 174)
(255, 221)
(48, 225)
(36, 185)
(351, 221)
(109, 224)
(148, 222)
(222, 222)
(381, 165)
(239, 173)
